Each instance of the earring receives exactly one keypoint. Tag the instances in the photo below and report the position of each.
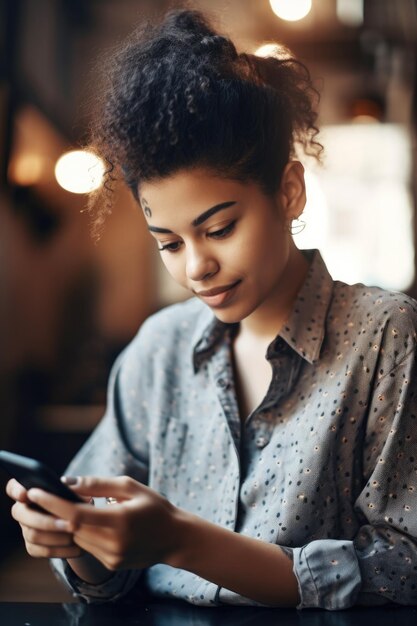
(295, 229)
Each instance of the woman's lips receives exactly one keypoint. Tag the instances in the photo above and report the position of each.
(219, 295)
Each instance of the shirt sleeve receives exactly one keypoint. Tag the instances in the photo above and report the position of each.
(118, 446)
(113, 589)
(380, 564)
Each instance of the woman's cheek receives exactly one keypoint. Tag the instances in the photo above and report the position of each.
(175, 268)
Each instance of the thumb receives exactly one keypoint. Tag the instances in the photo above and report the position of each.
(120, 487)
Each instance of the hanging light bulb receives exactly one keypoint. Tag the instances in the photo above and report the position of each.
(79, 171)
(291, 10)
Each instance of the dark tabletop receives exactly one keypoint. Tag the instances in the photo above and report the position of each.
(170, 614)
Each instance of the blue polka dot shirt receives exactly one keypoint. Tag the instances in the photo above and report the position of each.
(325, 466)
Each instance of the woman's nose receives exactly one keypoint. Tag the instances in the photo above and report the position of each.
(200, 264)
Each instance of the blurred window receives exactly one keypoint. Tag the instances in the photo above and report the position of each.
(359, 209)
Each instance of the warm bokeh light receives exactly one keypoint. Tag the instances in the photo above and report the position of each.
(291, 10)
(266, 50)
(26, 169)
(350, 12)
(79, 171)
(272, 50)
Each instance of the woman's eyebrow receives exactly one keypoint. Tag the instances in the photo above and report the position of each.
(214, 209)
(198, 220)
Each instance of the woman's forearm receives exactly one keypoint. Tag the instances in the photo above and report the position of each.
(252, 568)
(255, 569)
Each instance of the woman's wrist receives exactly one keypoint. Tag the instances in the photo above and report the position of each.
(89, 569)
(185, 530)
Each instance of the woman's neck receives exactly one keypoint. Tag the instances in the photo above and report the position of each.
(266, 322)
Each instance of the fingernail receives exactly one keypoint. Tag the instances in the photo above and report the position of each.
(33, 494)
(70, 480)
(61, 524)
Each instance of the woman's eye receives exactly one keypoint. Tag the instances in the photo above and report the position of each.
(218, 234)
(171, 247)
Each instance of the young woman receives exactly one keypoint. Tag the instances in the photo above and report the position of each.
(259, 445)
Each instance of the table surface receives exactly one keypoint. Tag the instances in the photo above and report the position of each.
(174, 614)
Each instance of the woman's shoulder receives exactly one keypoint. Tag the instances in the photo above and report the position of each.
(180, 317)
(377, 316)
(165, 339)
(375, 302)
(171, 325)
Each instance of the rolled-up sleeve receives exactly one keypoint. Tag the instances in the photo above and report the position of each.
(113, 589)
(328, 574)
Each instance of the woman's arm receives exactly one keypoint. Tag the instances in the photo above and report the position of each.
(144, 529)
(255, 569)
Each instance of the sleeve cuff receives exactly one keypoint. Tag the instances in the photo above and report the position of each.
(328, 574)
(118, 585)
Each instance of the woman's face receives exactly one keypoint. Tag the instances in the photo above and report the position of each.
(225, 241)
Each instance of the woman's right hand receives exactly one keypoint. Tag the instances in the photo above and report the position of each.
(41, 532)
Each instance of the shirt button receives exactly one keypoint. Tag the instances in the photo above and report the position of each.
(261, 442)
(222, 383)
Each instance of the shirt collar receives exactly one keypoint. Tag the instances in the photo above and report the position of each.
(305, 327)
(208, 332)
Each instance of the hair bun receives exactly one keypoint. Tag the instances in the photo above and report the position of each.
(192, 29)
(216, 44)
(188, 26)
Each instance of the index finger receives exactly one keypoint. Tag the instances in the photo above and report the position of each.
(75, 515)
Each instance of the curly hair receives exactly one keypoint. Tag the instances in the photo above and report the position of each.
(180, 96)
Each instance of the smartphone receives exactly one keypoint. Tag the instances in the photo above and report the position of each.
(31, 473)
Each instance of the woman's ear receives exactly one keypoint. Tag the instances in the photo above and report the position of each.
(292, 191)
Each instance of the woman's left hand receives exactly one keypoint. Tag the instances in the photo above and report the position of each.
(142, 528)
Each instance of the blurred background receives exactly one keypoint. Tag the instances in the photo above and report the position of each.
(69, 305)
